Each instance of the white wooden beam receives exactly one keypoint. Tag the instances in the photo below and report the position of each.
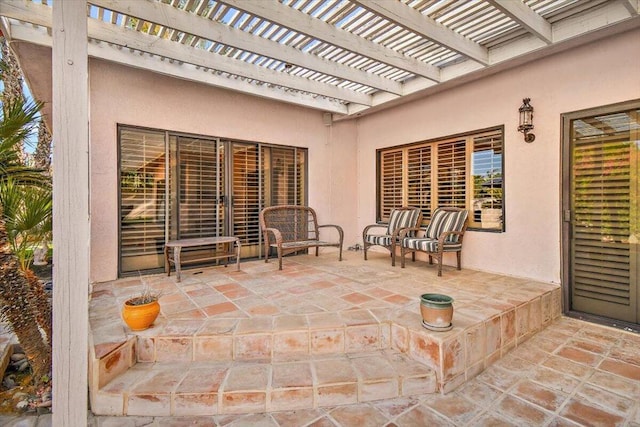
(169, 16)
(185, 71)
(288, 17)
(633, 6)
(185, 53)
(41, 15)
(409, 18)
(71, 216)
(526, 17)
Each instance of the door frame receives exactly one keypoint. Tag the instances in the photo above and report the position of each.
(565, 212)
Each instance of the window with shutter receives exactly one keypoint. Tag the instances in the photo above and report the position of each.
(462, 171)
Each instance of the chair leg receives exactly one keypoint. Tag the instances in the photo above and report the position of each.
(340, 256)
(402, 252)
(458, 255)
(430, 260)
(364, 248)
(266, 252)
(393, 256)
(279, 258)
(439, 258)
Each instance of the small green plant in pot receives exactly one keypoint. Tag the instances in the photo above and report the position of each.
(139, 312)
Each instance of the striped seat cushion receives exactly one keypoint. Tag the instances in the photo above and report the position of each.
(378, 239)
(429, 245)
(442, 221)
(402, 219)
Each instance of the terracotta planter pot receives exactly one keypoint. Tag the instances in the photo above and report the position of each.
(140, 317)
(437, 311)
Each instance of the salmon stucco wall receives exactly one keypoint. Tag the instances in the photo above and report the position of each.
(597, 74)
(123, 95)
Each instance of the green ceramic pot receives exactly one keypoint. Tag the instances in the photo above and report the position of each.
(437, 311)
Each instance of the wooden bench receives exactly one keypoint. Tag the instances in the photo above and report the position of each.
(290, 228)
(177, 246)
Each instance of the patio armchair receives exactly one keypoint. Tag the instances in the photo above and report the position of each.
(399, 219)
(443, 234)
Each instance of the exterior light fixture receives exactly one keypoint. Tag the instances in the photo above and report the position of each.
(526, 120)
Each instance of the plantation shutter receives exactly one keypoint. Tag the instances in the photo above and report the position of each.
(301, 183)
(391, 182)
(452, 174)
(604, 247)
(247, 193)
(283, 177)
(419, 179)
(142, 198)
(201, 183)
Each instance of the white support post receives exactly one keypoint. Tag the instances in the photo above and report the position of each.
(70, 213)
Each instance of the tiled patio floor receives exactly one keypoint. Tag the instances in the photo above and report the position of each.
(316, 316)
(568, 373)
(572, 373)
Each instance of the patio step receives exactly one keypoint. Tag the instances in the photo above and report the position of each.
(231, 387)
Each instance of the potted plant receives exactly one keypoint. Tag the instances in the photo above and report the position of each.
(141, 311)
(437, 311)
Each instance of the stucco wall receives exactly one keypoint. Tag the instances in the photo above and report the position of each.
(342, 168)
(593, 75)
(129, 96)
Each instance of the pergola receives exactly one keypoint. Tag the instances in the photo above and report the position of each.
(343, 57)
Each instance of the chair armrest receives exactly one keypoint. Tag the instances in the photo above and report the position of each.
(368, 227)
(446, 234)
(404, 231)
(337, 227)
(276, 234)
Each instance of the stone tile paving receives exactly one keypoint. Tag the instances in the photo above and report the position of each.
(572, 373)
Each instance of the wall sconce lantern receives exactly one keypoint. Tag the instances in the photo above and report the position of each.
(526, 120)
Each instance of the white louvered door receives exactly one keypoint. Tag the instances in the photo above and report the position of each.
(604, 215)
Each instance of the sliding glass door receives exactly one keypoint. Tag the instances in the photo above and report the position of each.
(175, 186)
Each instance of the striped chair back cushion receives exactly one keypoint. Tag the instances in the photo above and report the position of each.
(402, 219)
(442, 221)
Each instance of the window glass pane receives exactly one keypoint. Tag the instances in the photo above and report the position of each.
(247, 194)
(486, 161)
(419, 179)
(142, 198)
(452, 179)
(201, 183)
(283, 177)
(390, 183)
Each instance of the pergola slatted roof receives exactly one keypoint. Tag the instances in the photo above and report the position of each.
(340, 56)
